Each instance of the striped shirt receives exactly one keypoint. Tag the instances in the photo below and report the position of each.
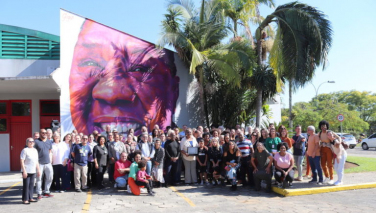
(245, 148)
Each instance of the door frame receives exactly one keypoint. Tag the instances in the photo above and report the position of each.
(17, 119)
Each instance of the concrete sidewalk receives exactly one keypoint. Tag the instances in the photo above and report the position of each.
(351, 181)
(9, 177)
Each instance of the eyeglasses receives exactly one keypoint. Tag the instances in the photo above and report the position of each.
(254, 135)
(43, 132)
(85, 138)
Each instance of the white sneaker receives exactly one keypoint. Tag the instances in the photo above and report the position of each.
(331, 182)
(326, 180)
(279, 185)
(337, 183)
(202, 182)
(115, 185)
(143, 190)
(129, 189)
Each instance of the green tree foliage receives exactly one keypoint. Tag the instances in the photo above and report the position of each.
(329, 106)
(303, 39)
(362, 102)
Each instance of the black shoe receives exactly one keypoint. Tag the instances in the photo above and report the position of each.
(78, 190)
(151, 193)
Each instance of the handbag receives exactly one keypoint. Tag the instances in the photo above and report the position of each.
(69, 166)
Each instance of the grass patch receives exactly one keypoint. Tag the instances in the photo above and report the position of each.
(365, 164)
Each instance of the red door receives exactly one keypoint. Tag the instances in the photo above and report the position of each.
(20, 130)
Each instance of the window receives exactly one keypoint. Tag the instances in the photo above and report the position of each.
(49, 108)
(3, 108)
(20, 109)
(3, 124)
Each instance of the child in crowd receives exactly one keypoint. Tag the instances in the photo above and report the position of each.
(202, 160)
(143, 179)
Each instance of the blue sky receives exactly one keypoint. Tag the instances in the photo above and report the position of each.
(350, 58)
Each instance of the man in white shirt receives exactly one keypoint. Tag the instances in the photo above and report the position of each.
(147, 151)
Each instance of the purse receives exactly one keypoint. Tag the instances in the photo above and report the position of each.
(69, 167)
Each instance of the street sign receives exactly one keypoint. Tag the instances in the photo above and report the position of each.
(340, 117)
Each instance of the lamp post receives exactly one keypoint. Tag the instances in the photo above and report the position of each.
(317, 90)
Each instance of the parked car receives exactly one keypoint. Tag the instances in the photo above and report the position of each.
(369, 142)
(348, 138)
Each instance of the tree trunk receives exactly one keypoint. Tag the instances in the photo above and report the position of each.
(206, 106)
(259, 90)
(290, 105)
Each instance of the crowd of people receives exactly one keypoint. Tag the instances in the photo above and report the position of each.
(220, 156)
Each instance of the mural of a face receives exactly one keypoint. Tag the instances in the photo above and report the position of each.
(120, 80)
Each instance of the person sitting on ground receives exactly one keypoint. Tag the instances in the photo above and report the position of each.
(232, 159)
(201, 161)
(341, 155)
(121, 171)
(262, 169)
(144, 179)
(284, 162)
(29, 169)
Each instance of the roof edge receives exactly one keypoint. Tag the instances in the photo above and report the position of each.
(29, 32)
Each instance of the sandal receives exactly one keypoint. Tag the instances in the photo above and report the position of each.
(32, 200)
(25, 202)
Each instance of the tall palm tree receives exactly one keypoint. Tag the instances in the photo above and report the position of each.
(303, 39)
(196, 34)
(243, 12)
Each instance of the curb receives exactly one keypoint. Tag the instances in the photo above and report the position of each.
(319, 190)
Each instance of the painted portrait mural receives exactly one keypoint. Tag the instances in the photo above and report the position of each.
(119, 80)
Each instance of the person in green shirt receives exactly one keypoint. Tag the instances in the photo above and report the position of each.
(133, 169)
(272, 141)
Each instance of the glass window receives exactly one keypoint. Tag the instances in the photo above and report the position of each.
(50, 108)
(21, 109)
(3, 125)
(3, 108)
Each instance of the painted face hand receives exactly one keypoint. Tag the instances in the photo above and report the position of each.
(119, 80)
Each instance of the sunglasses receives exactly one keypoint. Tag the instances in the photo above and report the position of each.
(85, 138)
(43, 132)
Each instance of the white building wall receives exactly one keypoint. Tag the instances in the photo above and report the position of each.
(275, 108)
(4, 153)
(27, 67)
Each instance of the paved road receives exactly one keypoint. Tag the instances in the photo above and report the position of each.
(358, 151)
(191, 199)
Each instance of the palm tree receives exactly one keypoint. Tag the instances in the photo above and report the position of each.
(196, 35)
(302, 43)
(242, 12)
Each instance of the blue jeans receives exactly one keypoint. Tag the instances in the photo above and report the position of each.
(148, 167)
(299, 164)
(316, 168)
(122, 181)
